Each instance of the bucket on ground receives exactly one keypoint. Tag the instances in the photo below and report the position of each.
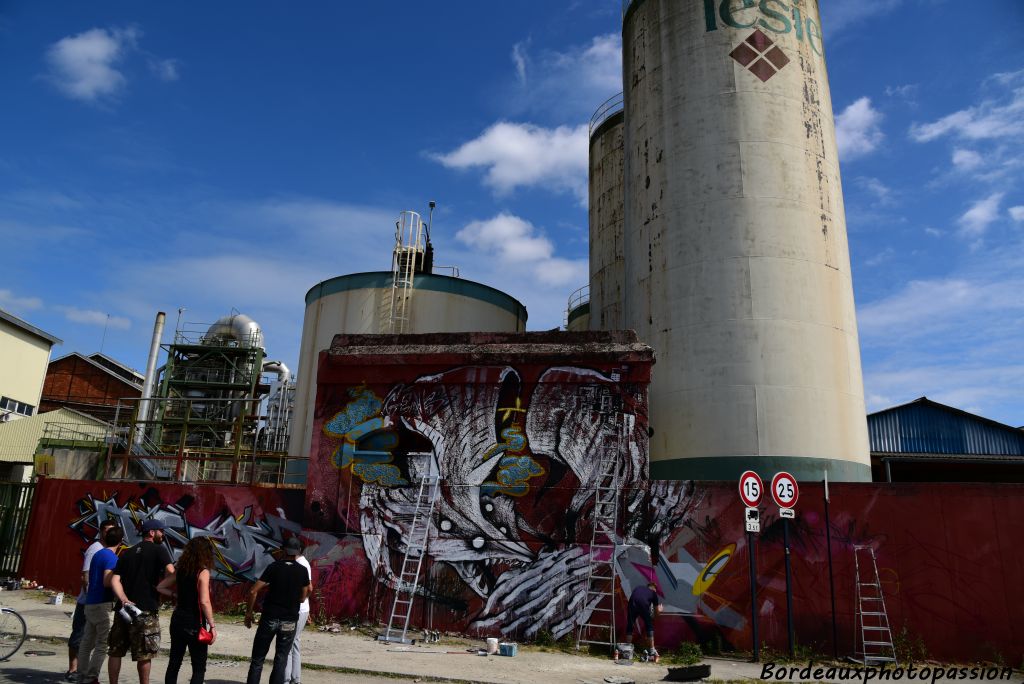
(508, 649)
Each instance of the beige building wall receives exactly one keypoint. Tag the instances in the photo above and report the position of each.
(24, 358)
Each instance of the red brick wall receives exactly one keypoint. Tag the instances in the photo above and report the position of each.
(74, 383)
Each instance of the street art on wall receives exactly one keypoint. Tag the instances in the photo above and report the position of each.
(501, 448)
(516, 443)
(242, 543)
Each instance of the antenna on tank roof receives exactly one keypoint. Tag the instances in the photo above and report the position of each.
(430, 217)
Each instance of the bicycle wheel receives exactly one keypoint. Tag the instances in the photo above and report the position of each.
(12, 633)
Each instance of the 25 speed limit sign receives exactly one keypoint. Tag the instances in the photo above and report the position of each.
(751, 488)
(785, 490)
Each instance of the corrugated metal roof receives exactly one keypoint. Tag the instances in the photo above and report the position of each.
(927, 427)
(20, 438)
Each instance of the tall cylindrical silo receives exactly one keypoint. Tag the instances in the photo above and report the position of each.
(737, 265)
(358, 304)
(607, 268)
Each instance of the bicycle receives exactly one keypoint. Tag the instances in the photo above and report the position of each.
(12, 632)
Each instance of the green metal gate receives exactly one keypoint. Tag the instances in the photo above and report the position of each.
(15, 506)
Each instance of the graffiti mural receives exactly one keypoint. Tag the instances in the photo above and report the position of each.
(516, 437)
(243, 544)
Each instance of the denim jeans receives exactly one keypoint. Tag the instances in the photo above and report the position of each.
(186, 637)
(293, 671)
(268, 630)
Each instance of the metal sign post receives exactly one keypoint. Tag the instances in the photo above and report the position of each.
(751, 489)
(785, 491)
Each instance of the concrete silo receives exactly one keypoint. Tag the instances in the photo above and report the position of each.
(607, 268)
(737, 265)
(409, 299)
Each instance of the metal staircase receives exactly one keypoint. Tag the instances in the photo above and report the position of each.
(873, 637)
(407, 259)
(408, 579)
(599, 627)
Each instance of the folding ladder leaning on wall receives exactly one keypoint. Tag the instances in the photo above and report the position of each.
(599, 627)
(416, 547)
(872, 638)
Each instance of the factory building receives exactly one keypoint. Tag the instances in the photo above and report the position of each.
(91, 384)
(24, 355)
(925, 441)
(730, 257)
(410, 298)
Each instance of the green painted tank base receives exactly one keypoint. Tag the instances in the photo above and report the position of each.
(731, 467)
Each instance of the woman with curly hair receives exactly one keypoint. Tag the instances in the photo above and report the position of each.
(193, 610)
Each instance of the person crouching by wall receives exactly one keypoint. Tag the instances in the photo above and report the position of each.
(194, 609)
(289, 586)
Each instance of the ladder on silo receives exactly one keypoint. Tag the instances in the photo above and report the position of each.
(598, 627)
(416, 547)
(873, 636)
(406, 260)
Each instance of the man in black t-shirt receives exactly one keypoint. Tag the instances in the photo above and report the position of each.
(643, 605)
(138, 571)
(289, 586)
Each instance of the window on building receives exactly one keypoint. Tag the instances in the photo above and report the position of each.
(14, 406)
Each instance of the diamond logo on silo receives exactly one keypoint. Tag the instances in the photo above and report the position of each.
(760, 55)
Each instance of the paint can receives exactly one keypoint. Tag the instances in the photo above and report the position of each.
(57, 599)
(492, 646)
(508, 649)
(625, 651)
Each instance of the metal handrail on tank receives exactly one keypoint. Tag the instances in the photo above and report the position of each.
(609, 108)
(576, 300)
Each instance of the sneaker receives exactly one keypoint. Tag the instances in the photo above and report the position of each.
(70, 676)
(652, 656)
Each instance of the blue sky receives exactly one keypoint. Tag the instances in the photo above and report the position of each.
(232, 154)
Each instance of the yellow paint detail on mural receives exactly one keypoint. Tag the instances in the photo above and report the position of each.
(711, 570)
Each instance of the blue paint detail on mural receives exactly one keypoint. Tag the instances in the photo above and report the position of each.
(513, 476)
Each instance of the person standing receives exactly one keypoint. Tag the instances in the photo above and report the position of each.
(289, 586)
(99, 601)
(293, 670)
(78, 617)
(138, 571)
(193, 610)
(643, 605)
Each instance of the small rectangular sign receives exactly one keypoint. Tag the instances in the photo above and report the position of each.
(787, 513)
(753, 526)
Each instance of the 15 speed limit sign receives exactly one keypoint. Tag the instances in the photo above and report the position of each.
(785, 490)
(751, 488)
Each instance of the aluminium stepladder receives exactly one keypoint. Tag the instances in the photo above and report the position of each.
(873, 637)
(412, 561)
(599, 627)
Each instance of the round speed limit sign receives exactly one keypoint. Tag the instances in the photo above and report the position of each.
(751, 488)
(785, 490)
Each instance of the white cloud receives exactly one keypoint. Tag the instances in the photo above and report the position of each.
(524, 155)
(83, 66)
(568, 85)
(966, 160)
(93, 317)
(857, 130)
(841, 14)
(165, 69)
(881, 191)
(516, 242)
(906, 92)
(519, 58)
(15, 304)
(976, 220)
(885, 255)
(1017, 213)
(997, 117)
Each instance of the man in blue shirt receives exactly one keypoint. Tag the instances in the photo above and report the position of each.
(99, 602)
(643, 605)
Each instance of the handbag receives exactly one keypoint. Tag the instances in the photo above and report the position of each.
(205, 636)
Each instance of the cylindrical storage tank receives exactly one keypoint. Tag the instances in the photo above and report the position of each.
(607, 268)
(359, 304)
(737, 265)
(577, 313)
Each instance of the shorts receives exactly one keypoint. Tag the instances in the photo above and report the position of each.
(645, 615)
(77, 626)
(142, 637)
